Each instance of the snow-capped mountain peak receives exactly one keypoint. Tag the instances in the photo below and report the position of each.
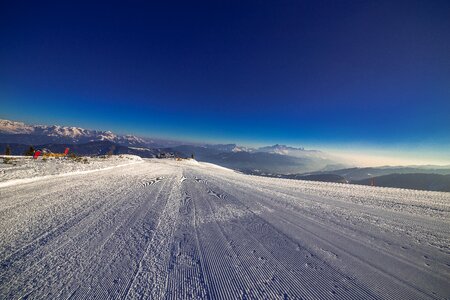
(12, 127)
(280, 149)
(62, 134)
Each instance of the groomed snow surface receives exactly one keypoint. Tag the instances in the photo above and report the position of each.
(19, 169)
(166, 229)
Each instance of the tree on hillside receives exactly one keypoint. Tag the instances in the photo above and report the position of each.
(8, 150)
(30, 151)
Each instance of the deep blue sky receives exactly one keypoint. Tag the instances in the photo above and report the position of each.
(319, 73)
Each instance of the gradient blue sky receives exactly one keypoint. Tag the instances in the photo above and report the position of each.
(364, 76)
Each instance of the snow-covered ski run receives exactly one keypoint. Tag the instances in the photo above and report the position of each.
(163, 229)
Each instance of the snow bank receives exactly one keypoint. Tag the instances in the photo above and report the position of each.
(24, 169)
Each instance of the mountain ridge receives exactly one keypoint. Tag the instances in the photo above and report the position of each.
(22, 133)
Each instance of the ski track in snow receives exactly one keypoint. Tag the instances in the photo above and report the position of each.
(163, 229)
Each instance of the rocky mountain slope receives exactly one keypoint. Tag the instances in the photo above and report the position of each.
(21, 133)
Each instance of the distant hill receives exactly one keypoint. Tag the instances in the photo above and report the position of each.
(355, 174)
(424, 180)
(417, 181)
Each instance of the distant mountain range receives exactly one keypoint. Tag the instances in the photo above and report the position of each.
(357, 174)
(21, 133)
(430, 178)
(267, 159)
(274, 161)
(276, 158)
(416, 181)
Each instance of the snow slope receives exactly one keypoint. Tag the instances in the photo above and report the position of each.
(164, 229)
(26, 169)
